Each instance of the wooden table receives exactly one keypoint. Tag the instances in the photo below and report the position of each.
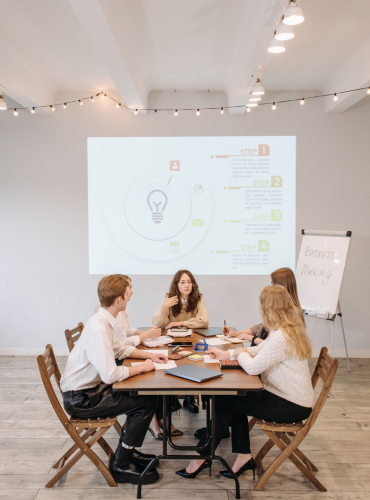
(233, 383)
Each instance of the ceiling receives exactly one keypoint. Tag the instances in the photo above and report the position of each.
(139, 46)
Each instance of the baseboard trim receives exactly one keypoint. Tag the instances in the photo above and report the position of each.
(34, 351)
(63, 351)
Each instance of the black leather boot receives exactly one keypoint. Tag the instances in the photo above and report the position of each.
(138, 456)
(190, 404)
(127, 470)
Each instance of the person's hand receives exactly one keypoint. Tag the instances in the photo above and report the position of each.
(158, 357)
(239, 350)
(226, 330)
(174, 323)
(245, 336)
(232, 333)
(147, 366)
(153, 332)
(215, 353)
(170, 301)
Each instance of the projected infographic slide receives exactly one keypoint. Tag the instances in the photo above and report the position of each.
(213, 205)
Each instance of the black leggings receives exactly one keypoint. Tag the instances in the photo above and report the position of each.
(234, 411)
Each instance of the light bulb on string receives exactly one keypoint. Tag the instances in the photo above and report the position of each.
(222, 111)
(135, 112)
(52, 107)
(32, 111)
(155, 111)
(119, 105)
(65, 105)
(92, 98)
(368, 91)
(273, 107)
(176, 112)
(103, 95)
(248, 109)
(335, 98)
(198, 112)
(301, 102)
(15, 113)
(81, 103)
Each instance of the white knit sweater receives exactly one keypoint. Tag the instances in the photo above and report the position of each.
(282, 374)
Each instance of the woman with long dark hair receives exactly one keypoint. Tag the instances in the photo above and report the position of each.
(183, 306)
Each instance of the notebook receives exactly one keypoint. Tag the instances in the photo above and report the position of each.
(209, 332)
(191, 372)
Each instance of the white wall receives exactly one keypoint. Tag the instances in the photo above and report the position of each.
(44, 282)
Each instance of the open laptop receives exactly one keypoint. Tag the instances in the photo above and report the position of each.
(209, 332)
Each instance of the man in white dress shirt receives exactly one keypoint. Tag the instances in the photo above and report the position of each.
(90, 372)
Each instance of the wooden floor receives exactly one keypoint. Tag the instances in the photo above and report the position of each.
(31, 439)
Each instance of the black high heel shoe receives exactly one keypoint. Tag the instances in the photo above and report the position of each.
(192, 475)
(250, 465)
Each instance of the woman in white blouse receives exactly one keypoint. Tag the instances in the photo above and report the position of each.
(287, 394)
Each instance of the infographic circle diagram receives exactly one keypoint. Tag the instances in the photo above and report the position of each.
(157, 206)
(159, 216)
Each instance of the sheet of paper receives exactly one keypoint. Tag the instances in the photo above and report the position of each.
(232, 340)
(207, 359)
(216, 341)
(160, 366)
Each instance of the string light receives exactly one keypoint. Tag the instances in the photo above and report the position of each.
(92, 98)
(81, 103)
(103, 95)
(273, 107)
(15, 113)
(252, 102)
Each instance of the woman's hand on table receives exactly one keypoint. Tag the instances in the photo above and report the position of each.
(215, 353)
(245, 336)
(240, 350)
(146, 366)
(174, 323)
(157, 357)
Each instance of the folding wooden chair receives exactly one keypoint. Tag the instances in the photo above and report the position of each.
(71, 337)
(287, 437)
(84, 433)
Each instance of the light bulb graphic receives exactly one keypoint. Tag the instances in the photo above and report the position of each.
(157, 201)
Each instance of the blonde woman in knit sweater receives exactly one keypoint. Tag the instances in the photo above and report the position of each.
(287, 394)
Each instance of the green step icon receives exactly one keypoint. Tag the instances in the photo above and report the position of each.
(263, 246)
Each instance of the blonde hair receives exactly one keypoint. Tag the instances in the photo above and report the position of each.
(285, 277)
(279, 312)
(111, 287)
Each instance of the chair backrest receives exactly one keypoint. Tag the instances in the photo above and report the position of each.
(48, 367)
(326, 368)
(73, 335)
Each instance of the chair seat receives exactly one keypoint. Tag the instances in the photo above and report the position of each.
(93, 422)
(274, 427)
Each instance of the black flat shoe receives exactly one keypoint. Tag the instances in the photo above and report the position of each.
(192, 475)
(130, 473)
(200, 433)
(158, 437)
(250, 465)
(191, 404)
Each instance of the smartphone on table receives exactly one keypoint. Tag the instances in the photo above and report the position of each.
(180, 344)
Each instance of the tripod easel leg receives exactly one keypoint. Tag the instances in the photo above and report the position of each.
(332, 337)
(344, 337)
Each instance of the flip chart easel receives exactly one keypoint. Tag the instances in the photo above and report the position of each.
(319, 274)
